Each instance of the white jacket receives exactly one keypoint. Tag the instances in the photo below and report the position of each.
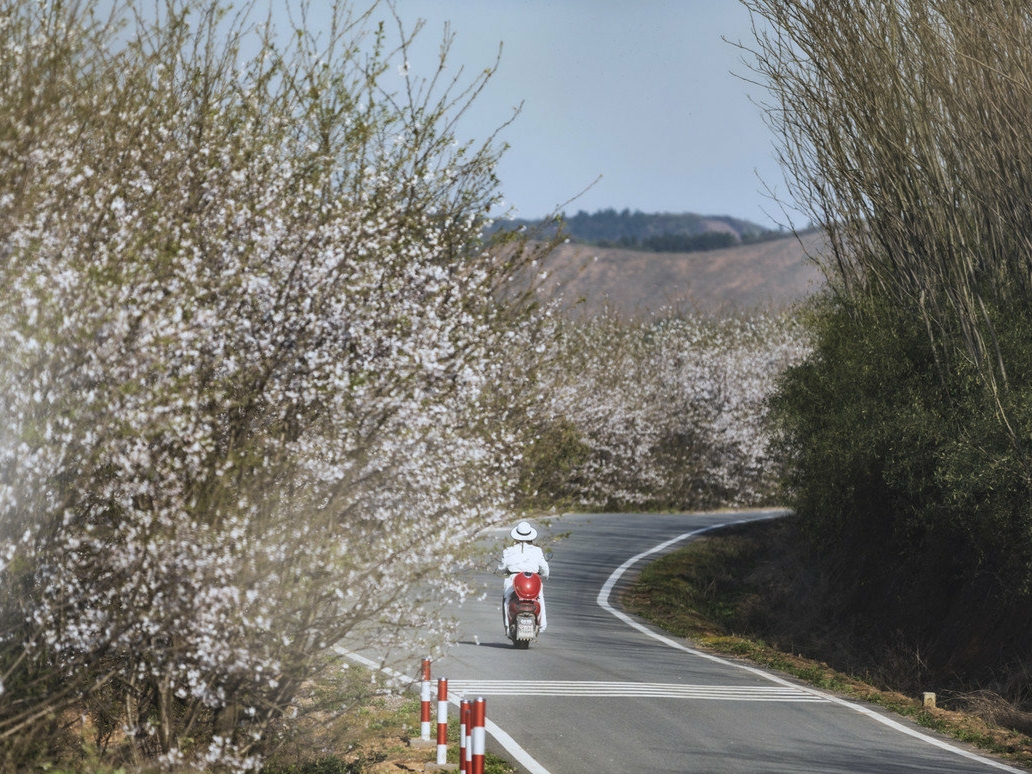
(524, 557)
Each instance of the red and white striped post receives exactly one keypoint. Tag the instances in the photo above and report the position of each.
(442, 720)
(465, 753)
(477, 738)
(424, 705)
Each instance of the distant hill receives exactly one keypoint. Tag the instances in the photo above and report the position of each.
(771, 274)
(655, 232)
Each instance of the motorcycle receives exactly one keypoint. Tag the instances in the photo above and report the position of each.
(524, 609)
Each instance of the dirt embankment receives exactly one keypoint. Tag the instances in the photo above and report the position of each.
(744, 278)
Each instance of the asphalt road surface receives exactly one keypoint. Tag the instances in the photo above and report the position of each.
(602, 692)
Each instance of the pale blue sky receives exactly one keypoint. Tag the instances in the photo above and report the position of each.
(643, 94)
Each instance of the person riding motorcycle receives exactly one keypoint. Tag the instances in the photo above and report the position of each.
(523, 556)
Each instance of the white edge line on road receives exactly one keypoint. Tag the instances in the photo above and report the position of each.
(607, 589)
(511, 746)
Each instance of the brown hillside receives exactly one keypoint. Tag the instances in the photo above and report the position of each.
(767, 275)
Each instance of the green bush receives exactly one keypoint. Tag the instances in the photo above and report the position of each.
(909, 489)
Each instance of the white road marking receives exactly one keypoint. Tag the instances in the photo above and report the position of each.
(603, 602)
(638, 690)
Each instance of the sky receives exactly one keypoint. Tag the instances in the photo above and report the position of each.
(639, 105)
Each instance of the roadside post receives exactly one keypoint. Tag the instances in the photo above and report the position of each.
(442, 720)
(465, 753)
(423, 741)
(424, 706)
(478, 737)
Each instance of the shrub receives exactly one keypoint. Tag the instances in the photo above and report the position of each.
(667, 414)
(246, 323)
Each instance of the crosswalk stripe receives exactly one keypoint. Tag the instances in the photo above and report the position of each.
(639, 690)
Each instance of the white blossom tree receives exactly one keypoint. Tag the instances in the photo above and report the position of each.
(246, 330)
(669, 413)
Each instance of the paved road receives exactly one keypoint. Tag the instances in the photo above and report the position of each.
(600, 692)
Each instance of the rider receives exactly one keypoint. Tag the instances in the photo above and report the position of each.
(524, 556)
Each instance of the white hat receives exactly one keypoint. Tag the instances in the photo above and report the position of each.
(523, 531)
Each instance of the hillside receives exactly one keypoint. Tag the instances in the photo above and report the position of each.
(656, 232)
(746, 277)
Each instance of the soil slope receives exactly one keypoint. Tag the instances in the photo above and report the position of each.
(744, 278)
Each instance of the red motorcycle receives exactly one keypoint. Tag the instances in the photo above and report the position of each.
(524, 609)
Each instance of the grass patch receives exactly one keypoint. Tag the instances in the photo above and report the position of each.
(736, 593)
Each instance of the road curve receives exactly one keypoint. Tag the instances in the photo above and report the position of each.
(601, 691)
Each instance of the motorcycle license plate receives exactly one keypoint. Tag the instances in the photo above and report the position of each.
(525, 627)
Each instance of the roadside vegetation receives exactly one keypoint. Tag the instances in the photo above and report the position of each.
(668, 414)
(251, 366)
